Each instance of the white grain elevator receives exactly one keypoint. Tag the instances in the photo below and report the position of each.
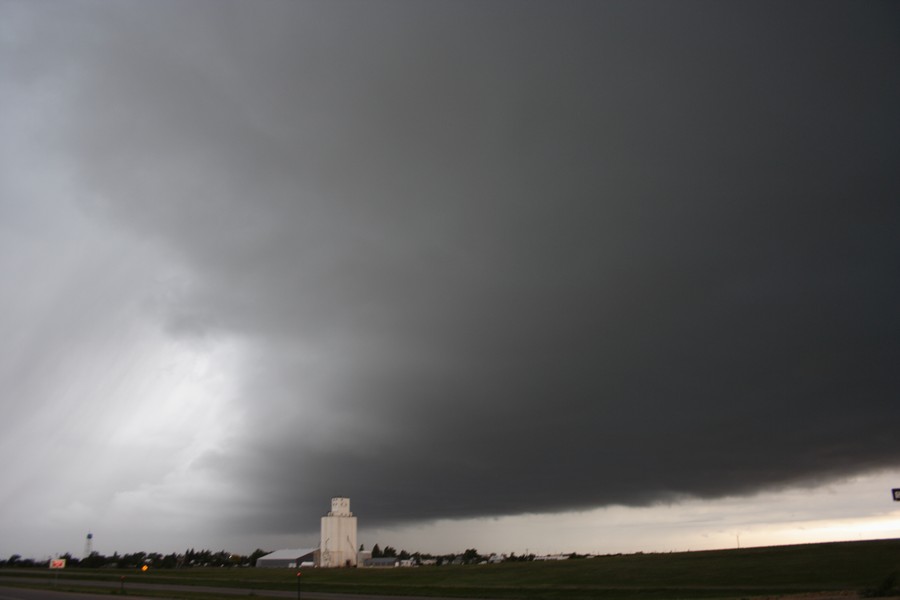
(337, 547)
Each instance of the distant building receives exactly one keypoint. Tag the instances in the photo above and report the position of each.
(338, 547)
(384, 562)
(388, 562)
(288, 558)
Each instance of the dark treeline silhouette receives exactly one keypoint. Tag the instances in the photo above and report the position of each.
(136, 560)
(223, 558)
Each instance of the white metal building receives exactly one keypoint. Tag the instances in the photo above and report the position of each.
(338, 542)
(291, 558)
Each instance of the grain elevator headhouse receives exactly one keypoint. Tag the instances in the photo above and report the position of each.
(337, 547)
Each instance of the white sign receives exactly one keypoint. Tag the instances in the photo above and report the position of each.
(58, 563)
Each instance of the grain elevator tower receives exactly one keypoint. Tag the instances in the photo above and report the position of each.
(337, 547)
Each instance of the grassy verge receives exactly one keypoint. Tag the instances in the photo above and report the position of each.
(853, 566)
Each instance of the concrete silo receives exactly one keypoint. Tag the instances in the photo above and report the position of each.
(338, 542)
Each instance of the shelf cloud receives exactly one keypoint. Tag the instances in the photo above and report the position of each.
(448, 259)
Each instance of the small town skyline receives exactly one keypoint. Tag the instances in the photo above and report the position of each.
(657, 535)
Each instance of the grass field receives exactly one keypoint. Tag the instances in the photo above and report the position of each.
(850, 566)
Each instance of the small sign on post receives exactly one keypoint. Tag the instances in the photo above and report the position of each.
(58, 563)
(896, 494)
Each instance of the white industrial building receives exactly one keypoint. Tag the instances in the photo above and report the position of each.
(337, 547)
(290, 558)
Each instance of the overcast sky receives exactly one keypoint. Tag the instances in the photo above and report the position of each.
(563, 272)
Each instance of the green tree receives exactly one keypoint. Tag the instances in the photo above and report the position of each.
(94, 561)
(376, 552)
(256, 555)
(169, 561)
(71, 561)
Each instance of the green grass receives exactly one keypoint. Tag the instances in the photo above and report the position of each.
(853, 566)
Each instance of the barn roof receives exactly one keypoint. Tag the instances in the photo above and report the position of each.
(288, 554)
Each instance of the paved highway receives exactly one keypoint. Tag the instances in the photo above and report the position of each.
(14, 593)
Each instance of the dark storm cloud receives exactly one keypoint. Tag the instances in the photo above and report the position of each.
(518, 257)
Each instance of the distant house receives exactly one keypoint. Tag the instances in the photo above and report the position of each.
(290, 558)
(384, 562)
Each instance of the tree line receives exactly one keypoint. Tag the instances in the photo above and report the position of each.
(223, 558)
(470, 557)
(136, 560)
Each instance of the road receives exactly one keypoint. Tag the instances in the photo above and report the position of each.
(14, 593)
